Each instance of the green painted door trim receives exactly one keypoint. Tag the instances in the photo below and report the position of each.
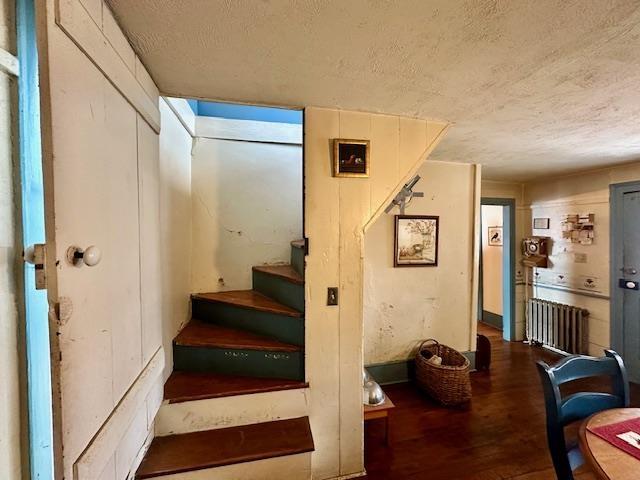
(508, 264)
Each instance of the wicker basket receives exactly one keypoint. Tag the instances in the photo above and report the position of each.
(448, 383)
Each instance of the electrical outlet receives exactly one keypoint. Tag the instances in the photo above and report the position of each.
(332, 296)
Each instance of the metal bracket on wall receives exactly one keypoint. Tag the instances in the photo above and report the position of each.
(36, 255)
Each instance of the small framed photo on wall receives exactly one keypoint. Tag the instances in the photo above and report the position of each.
(541, 223)
(495, 236)
(416, 241)
(350, 158)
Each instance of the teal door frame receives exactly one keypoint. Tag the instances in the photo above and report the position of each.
(616, 251)
(508, 264)
(36, 308)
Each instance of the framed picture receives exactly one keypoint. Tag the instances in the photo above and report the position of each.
(350, 158)
(541, 223)
(416, 241)
(495, 236)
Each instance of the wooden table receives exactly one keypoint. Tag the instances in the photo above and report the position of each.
(607, 461)
(380, 411)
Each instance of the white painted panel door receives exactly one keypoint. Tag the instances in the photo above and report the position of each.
(95, 203)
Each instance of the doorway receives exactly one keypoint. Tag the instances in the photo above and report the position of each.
(625, 275)
(496, 296)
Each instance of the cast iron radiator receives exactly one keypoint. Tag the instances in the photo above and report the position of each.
(558, 326)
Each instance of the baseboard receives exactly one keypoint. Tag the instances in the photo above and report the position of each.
(351, 475)
(492, 319)
(401, 371)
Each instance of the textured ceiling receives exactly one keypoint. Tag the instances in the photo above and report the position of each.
(534, 88)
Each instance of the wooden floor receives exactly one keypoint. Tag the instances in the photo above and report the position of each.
(500, 436)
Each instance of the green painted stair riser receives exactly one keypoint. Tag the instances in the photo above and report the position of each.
(297, 259)
(280, 327)
(250, 363)
(280, 289)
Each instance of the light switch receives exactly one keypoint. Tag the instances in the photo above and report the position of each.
(332, 296)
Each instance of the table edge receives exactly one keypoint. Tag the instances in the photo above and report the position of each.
(586, 451)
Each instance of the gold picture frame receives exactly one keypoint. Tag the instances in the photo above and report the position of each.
(351, 158)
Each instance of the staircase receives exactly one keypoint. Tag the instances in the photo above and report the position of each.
(238, 392)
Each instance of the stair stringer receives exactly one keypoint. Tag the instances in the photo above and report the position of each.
(232, 411)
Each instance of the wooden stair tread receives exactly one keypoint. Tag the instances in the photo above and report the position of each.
(298, 243)
(202, 334)
(189, 386)
(248, 299)
(226, 446)
(286, 272)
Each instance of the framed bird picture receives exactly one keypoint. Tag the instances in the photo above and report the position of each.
(416, 241)
(350, 158)
(495, 236)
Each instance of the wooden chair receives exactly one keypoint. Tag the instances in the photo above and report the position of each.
(563, 411)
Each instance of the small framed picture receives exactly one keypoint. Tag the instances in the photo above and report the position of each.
(416, 241)
(541, 223)
(495, 236)
(350, 158)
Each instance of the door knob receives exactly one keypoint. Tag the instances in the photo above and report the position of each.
(90, 256)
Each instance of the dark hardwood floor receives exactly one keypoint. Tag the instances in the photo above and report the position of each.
(501, 435)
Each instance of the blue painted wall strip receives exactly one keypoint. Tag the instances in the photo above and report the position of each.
(36, 304)
(245, 112)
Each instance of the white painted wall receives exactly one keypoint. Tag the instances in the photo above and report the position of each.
(112, 180)
(403, 306)
(247, 201)
(175, 221)
(589, 193)
(337, 211)
(491, 261)
(10, 277)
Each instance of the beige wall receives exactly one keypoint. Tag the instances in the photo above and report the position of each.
(247, 202)
(587, 192)
(10, 276)
(337, 211)
(491, 261)
(403, 306)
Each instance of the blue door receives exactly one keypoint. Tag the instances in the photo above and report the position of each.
(625, 275)
(36, 304)
(630, 277)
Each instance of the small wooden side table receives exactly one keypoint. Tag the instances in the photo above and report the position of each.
(380, 411)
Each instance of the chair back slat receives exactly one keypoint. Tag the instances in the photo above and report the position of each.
(584, 404)
(577, 367)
